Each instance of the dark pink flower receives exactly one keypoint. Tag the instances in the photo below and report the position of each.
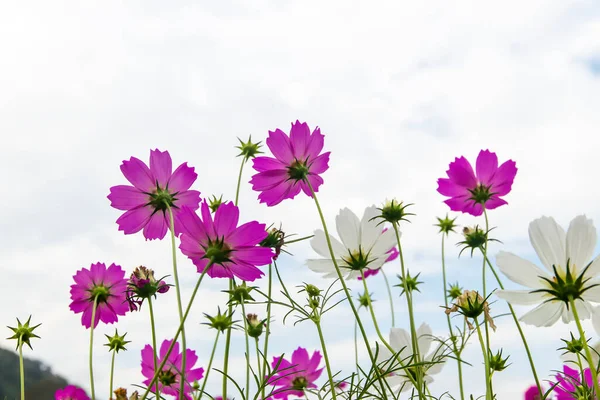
(108, 285)
(294, 376)
(169, 378)
(469, 192)
(234, 249)
(570, 385)
(71, 393)
(154, 190)
(297, 160)
(533, 393)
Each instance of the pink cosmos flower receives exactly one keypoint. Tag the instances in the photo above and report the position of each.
(533, 393)
(108, 285)
(296, 375)
(70, 393)
(469, 192)
(233, 248)
(169, 378)
(570, 385)
(154, 190)
(297, 160)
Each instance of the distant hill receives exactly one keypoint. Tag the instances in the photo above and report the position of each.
(40, 382)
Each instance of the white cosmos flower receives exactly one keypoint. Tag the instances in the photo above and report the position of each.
(400, 342)
(363, 245)
(556, 250)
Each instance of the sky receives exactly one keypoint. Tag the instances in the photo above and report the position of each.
(399, 89)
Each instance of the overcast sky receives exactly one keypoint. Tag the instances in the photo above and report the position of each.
(398, 88)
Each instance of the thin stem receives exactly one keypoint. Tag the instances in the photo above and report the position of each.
(267, 328)
(389, 291)
(239, 181)
(179, 331)
(258, 362)
(153, 328)
(588, 354)
(356, 349)
(488, 392)
(92, 346)
(247, 349)
(455, 349)
(483, 269)
(512, 312)
(112, 372)
(21, 367)
(343, 282)
(299, 239)
(212, 356)
(317, 321)
(227, 345)
(408, 294)
(178, 291)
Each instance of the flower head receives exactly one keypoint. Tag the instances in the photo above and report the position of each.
(233, 249)
(401, 343)
(393, 254)
(570, 386)
(107, 286)
(121, 394)
(23, 333)
(472, 305)
(169, 378)
(142, 285)
(568, 273)
(470, 192)
(155, 189)
(363, 245)
(248, 149)
(446, 225)
(116, 342)
(297, 164)
(533, 393)
(295, 375)
(70, 392)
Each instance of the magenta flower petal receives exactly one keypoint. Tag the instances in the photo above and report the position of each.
(297, 160)
(155, 190)
(235, 250)
(108, 286)
(291, 378)
(71, 392)
(469, 193)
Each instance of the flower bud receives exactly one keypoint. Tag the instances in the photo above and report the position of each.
(24, 333)
(116, 342)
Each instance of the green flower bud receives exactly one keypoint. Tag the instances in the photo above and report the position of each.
(446, 225)
(24, 333)
(248, 149)
(497, 363)
(221, 322)
(116, 342)
(393, 211)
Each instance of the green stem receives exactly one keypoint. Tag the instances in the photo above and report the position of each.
(112, 374)
(413, 329)
(356, 349)
(483, 269)
(247, 348)
(179, 331)
(299, 239)
(267, 328)
(588, 354)
(227, 344)
(239, 181)
(212, 356)
(343, 283)
(21, 368)
(92, 346)
(258, 361)
(455, 349)
(154, 350)
(317, 321)
(488, 392)
(179, 306)
(389, 291)
(521, 333)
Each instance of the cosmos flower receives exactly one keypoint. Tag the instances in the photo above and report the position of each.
(233, 248)
(533, 393)
(142, 285)
(107, 285)
(155, 189)
(363, 245)
(70, 392)
(291, 377)
(470, 192)
(401, 343)
(571, 387)
(393, 255)
(568, 272)
(169, 378)
(297, 161)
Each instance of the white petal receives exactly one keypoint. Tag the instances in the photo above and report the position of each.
(521, 297)
(348, 227)
(581, 241)
(384, 242)
(424, 334)
(369, 230)
(319, 245)
(383, 354)
(545, 314)
(323, 266)
(584, 311)
(596, 319)
(400, 341)
(594, 269)
(592, 294)
(519, 270)
(548, 239)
